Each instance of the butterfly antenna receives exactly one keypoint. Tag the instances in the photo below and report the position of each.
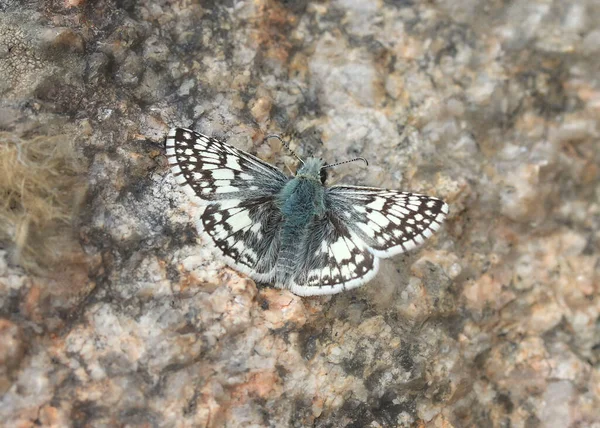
(285, 145)
(348, 161)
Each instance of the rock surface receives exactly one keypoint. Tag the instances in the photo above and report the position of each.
(491, 106)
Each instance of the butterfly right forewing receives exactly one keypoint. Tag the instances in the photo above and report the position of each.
(389, 222)
(362, 225)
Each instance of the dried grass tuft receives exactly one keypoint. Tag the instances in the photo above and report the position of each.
(41, 189)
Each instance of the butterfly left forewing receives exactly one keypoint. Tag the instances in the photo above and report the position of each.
(210, 170)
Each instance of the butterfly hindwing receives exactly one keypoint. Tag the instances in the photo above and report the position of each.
(247, 233)
(335, 259)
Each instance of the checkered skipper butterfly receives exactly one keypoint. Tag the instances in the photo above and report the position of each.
(295, 232)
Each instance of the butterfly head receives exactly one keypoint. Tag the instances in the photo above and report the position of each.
(313, 169)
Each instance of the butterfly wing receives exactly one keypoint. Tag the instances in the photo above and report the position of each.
(210, 170)
(240, 191)
(332, 260)
(363, 224)
(247, 233)
(389, 222)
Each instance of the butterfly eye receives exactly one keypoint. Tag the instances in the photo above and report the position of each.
(323, 176)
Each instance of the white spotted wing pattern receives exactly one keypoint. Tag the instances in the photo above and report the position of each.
(325, 241)
(367, 224)
(241, 217)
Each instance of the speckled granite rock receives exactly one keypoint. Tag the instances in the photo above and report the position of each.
(492, 106)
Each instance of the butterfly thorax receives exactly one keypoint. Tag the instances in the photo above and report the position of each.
(303, 196)
(300, 200)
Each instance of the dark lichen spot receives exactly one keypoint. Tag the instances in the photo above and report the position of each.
(355, 365)
(302, 413)
(390, 406)
(82, 412)
(442, 393)
(294, 6)
(481, 359)
(358, 412)
(533, 422)
(405, 358)
(506, 402)
(308, 340)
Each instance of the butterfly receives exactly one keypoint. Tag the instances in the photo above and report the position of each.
(295, 232)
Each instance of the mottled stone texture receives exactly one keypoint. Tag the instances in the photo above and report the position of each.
(493, 106)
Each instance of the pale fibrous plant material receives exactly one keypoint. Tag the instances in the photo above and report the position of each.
(294, 232)
(41, 189)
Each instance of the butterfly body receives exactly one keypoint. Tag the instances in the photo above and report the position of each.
(296, 232)
(301, 202)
